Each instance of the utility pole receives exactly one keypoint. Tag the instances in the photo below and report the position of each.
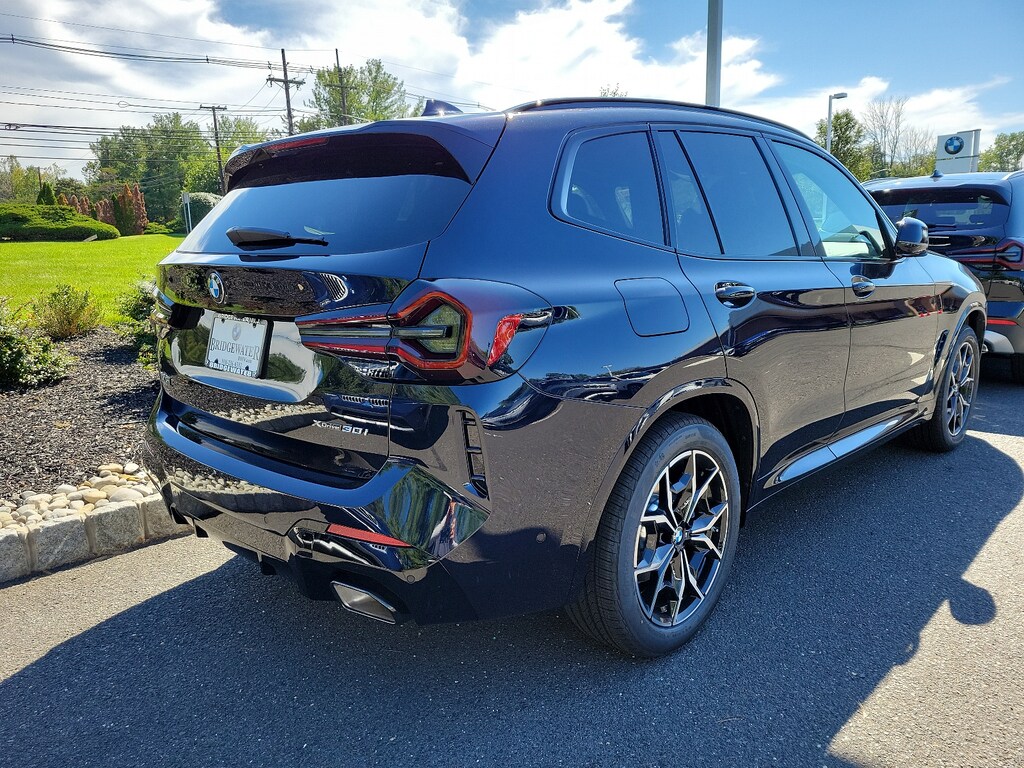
(340, 84)
(287, 90)
(216, 142)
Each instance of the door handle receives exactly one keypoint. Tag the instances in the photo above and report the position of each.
(734, 294)
(862, 286)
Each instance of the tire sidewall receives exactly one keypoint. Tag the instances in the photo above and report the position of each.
(652, 639)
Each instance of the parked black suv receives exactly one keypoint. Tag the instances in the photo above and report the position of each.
(479, 365)
(977, 219)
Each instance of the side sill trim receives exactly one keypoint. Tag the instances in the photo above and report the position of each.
(818, 458)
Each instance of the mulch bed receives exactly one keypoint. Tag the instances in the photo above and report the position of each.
(95, 416)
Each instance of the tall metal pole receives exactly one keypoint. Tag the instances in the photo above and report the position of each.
(828, 122)
(713, 90)
(216, 143)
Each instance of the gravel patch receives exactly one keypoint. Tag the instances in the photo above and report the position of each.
(96, 416)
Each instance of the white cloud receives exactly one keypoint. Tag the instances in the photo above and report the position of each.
(562, 48)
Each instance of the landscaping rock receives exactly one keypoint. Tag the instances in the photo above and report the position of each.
(92, 496)
(125, 494)
(115, 528)
(57, 542)
(14, 555)
(65, 489)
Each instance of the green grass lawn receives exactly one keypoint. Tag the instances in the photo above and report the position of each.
(105, 268)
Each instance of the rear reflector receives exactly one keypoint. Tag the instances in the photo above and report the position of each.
(368, 536)
(1000, 321)
(503, 336)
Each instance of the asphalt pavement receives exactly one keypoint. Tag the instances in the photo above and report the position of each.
(875, 617)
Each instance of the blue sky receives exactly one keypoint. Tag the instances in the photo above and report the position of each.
(782, 57)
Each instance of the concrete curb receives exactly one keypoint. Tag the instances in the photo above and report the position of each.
(106, 530)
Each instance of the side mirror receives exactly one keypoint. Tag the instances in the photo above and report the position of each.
(911, 237)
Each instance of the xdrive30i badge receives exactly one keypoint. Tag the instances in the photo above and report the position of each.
(215, 287)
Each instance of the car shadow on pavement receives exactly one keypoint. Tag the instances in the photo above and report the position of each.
(834, 582)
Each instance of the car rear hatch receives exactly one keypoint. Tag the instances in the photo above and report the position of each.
(330, 226)
(965, 222)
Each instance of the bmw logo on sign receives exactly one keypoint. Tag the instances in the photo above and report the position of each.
(953, 145)
(215, 286)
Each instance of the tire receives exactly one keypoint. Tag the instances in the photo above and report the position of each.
(958, 387)
(1017, 368)
(642, 555)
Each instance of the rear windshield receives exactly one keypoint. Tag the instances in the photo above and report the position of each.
(950, 208)
(361, 193)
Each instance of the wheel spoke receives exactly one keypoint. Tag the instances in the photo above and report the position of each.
(699, 495)
(691, 578)
(655, 560)
(666, 485)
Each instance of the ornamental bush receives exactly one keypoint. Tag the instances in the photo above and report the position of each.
(46, 196)
(66, 312)
(27, 357)
(49, 222)
(200, 204)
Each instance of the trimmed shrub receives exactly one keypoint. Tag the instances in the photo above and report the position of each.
(66, 312)
(200, 204)
(49, 222)
(27, 357)
(155, 228)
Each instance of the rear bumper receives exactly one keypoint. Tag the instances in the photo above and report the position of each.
(282, 522)
(468, 557)
(1004, 334)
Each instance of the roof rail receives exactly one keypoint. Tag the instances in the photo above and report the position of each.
(625, 101)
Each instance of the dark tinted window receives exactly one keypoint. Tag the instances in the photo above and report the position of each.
(845, 219)
(612, 186)
(688, 213)
(369, 194)
(938, 207)
(744, 201)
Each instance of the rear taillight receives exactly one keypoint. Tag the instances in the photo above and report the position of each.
(484, 334)
(1010, 252)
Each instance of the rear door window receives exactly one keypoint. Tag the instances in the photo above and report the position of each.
(688, 211)
(366, 193)
(611, 186)
(742, 196)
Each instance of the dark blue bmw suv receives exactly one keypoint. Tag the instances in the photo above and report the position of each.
(977, 219)
(477, 365)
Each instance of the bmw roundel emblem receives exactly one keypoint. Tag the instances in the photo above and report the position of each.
(215, 286)
(953, 145)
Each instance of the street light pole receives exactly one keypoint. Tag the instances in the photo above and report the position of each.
(828, 123)
(713, 82)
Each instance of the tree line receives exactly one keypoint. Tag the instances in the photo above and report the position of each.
(881, 142)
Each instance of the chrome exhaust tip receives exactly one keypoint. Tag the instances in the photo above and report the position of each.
(365, 603)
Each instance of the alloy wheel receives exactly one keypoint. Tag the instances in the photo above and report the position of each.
(681, 537)
(960, 390)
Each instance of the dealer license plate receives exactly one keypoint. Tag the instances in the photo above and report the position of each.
(236, 345)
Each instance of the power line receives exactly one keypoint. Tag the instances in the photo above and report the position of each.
(158, 34)
(38, 93)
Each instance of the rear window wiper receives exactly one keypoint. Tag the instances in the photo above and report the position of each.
(256, 237)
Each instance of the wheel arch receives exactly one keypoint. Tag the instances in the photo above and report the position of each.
(726, 404)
